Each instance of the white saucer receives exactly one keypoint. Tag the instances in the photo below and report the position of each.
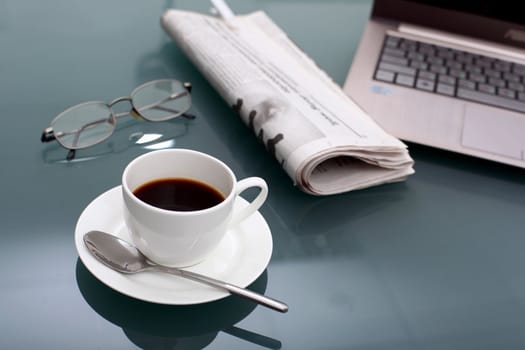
(240, 258)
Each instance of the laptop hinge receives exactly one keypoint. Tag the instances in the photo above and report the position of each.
(460, 42)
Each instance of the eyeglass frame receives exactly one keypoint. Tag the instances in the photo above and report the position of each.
(48, 133)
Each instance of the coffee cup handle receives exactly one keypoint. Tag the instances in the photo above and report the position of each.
(254, 205)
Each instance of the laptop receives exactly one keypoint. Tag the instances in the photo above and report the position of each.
(447, 74)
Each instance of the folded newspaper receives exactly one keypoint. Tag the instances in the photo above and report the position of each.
(321, 138)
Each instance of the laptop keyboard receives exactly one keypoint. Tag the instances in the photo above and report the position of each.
(452, 72)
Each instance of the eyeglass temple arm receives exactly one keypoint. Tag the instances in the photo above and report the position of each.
(187, 85)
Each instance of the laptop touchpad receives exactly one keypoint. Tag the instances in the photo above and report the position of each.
(494, 131)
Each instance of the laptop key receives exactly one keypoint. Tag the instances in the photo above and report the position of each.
(397, 69)
(464, 57)
(419, 65)
(497, 82)
(502, 66)
(478, 78)
(401, 61)
(438, 69)
(405, 80)
(507, 93)
(426, 85)
(473, 69)
(445, 53)
(427, 75)
(494, 100)
(516, 86)
(488, 89)
(393, 52)
(416, 56)
(436, 61)
(445, 89)
(518, 69)
(385, 76)
(491, 73)
(460, 74)
(483, 62)
(454, 65)
(511, 78)
(392, 41)
(446, 79)
(407, 44)
(467, 84)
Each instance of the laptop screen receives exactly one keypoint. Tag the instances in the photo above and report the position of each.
(499, 21)
(502, 10)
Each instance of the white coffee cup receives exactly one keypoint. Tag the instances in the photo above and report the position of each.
(184, 238)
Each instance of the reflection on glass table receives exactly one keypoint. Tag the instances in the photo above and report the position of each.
(157, 326)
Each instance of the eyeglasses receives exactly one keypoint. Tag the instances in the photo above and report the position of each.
(90, 123)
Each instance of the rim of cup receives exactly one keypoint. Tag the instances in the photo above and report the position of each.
(129, 191)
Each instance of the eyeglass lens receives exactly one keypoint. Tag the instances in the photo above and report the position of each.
(84, 125)
(161, 100)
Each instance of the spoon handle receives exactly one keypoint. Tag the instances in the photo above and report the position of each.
(233, 289)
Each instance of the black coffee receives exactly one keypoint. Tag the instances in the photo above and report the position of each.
(179, 194)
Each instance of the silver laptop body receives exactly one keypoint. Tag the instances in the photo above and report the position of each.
(437, 105)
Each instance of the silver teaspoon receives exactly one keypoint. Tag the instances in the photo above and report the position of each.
(124, 257)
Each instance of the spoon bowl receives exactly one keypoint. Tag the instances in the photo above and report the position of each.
(124, 257)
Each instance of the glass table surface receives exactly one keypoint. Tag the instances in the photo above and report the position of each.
(435, 262)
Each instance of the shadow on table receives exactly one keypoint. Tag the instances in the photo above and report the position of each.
(157, 326)
(438, 161)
